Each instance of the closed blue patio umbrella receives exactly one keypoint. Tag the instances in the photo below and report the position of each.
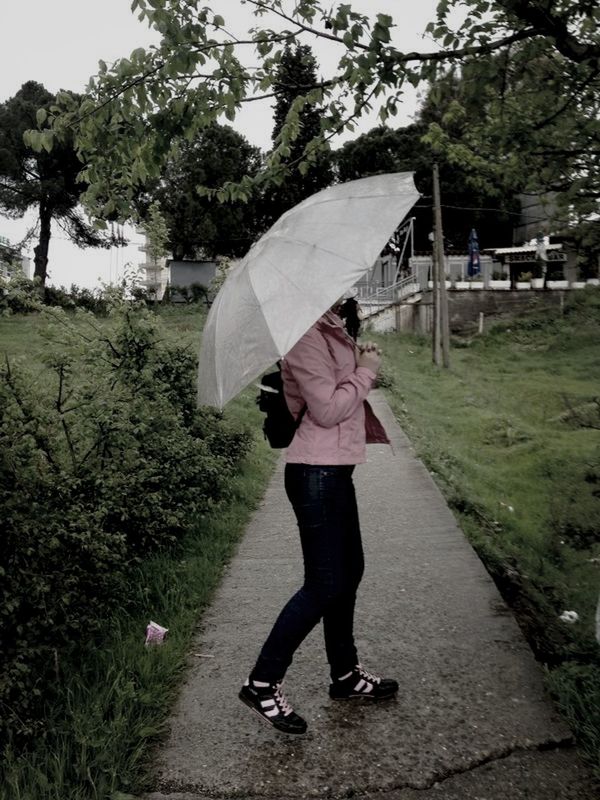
(474, 266)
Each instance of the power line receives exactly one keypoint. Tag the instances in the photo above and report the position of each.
(490, 210)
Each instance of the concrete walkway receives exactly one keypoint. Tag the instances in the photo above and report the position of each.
(471, 721)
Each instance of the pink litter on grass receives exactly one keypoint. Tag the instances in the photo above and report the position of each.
(155, 633)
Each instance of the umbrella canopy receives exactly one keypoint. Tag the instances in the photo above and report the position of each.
(292, 275)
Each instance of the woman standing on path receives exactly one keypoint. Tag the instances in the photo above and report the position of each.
(329, 376)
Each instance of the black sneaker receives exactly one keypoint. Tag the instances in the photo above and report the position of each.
(360, 683)
(269, 702)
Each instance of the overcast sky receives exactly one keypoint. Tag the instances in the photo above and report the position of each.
(59, 43)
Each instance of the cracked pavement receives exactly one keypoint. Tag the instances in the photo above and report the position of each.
(471, 720)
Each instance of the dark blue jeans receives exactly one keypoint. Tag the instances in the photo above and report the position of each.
(324, 502)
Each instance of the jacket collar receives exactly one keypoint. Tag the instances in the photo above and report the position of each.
(331, 319)
(335, 325)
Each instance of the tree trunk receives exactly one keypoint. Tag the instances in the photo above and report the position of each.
(41, 249)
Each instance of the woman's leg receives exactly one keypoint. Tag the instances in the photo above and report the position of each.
(338, 620)
(324, 504)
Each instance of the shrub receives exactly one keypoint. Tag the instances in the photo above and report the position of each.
(177, 294)
(199, 293)
(19, 295)
(196, 293)
(54, 296)
(103, 460)
(96, 300)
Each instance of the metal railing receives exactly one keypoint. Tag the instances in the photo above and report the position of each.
(387, 295)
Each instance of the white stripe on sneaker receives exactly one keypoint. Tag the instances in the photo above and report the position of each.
(268, 703)
(272, 712)
(360, 685)
(261, 684)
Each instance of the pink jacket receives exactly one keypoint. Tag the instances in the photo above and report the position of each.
(320, 372)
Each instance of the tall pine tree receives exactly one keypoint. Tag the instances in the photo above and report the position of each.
(46, 181)
(296, 75)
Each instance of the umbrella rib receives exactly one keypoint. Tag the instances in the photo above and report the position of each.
(319, 247)
(286, 276)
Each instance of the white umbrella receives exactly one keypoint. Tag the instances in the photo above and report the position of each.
(292, 275)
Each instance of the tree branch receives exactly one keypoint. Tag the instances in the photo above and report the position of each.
(277, 92)
(403, 58)
(63, 422)
(141, 78)
(554, 26)
(570, 100)
(302, 25)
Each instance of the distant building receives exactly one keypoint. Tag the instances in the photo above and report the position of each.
(536, 222)
(12, 261)
(158, 274)
(537, 258)
(189, 273)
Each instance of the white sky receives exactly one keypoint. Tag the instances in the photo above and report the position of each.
(59, 42)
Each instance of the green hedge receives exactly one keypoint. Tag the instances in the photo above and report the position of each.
(104, 458)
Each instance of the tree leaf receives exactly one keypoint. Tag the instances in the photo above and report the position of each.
(47, 140)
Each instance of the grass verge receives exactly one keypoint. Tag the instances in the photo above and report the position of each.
(511, 434)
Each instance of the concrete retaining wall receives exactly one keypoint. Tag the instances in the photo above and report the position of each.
(385, 321)
(464, 309)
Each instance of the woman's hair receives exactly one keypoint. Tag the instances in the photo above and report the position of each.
(349, 313)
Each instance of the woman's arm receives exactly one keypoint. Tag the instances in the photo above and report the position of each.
(312, 368)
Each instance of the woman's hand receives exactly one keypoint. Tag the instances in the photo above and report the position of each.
(368, 355)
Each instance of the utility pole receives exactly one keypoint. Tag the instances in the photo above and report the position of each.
(443, 331)
(436, 343)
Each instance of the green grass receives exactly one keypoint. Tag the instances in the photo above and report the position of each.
(22, 336)
(114, 699)
(521, 474)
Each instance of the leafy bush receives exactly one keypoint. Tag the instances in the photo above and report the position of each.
(196, 293)
(96, 300)
(54, 296)
(19, 295)
(199, 293)
(103, 459)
